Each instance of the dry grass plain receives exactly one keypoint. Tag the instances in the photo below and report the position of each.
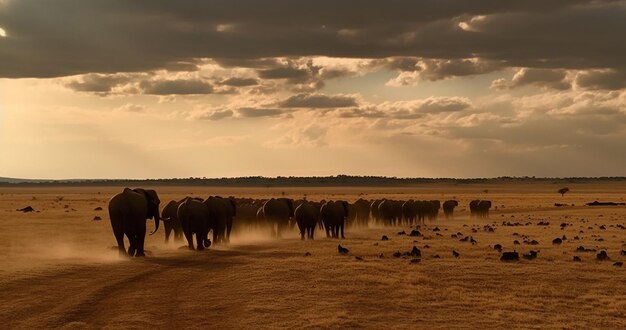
(58, 269)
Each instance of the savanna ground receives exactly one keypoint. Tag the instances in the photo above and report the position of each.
(59, 270)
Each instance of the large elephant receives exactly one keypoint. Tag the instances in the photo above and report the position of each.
(375, 213)
(359, 213)
(480, 208)
(409, 212)
(390, 211)
(195, 219)
(448, 207)
(307, 215)
(247, 214)
(333, 215)
(171, 221)
(128, 212)
(278, 211)
(433, 210)
(221, 212)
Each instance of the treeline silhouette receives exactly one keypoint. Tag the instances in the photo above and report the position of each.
(301, 181)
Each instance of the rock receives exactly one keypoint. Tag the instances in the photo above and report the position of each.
(473, 241)
(564, 238)
(577, 259)
(97, 218)
(498, 247)
(426, 246)
(533, 242)
(415, 233)
(415, 252)
(618, 264)
(27, 209)
(381, 255)
(436, 256)
(307, 254)
(532, 254)
(455, 254)
(602, 256)
(557, 241)
(342, 250)
(509, 256)
(397, 254)
(436, 229)
(464, 239)
(98, 209)
(516, 242)
(402, 233)
(358, 258)
(416, 261)
(384, 238)
(623, 253)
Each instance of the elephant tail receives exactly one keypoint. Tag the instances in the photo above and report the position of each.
(320, 223)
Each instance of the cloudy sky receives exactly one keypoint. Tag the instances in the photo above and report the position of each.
(418, 88)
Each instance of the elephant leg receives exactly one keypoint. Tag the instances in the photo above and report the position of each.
(327, 227)
(342, 228)
(140, 240)
(200, 241)
(168, 231)
(189, 238)
(119, 237)
(312, 232)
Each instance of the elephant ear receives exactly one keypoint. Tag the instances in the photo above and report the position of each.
(152, 196)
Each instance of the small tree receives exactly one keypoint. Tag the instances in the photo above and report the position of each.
(563, 191)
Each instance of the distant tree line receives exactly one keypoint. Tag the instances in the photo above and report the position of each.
(297, 181)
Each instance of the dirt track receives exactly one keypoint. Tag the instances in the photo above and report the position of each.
(59, 270)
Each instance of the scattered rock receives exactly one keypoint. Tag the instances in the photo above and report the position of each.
(426, 246)
(415, 252)
(531, 255)
(402, 233)
(618, 264)
(534, 242)
(98, 208)
(397, 254)
(516, 242)
(557, 241)
(307, 254)
(498, 247)
(416, 261)
(384, 238)
(415, 233)
(97, 218)
(342, 250)
(455, 254)
(381, 255)
(436, 229)
(623, 253)
(27, 209)
(436, 256)
(602, 256)
(464, 239)
(358, 258)
(577, 259)
(473, 241)
(509, 256)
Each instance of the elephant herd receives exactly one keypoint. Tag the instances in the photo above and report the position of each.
(191, 216)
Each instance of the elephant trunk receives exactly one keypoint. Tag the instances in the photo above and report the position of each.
(156, 224)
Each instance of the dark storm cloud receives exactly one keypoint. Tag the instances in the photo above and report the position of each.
(602, 79)
(176, 87)
(554, 79)
(68, 37)
(318, 101)
(97, 83)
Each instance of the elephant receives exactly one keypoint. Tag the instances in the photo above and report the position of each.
(480, 208)
(247, 213)
(333, 215)
(195, 219)
(359, 213)
(390, 211)
(375, 214)
(435, 205)
(171, 221)
(307, 216)
(448, 207)
(221, 211)
(278, 211)
(409, 211)
(128, 212)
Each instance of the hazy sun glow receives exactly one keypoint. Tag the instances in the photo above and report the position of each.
(3, 33)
